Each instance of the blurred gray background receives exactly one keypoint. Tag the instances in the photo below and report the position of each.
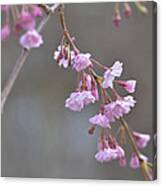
(40, 137)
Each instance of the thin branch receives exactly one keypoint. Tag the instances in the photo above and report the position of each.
(22, 58)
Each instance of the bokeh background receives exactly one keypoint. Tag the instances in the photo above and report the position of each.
(40, 137)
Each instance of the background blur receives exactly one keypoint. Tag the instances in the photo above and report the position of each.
(40, 137)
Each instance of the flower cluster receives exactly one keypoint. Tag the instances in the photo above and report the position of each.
(91, 86)
(108, 150)
(23, 19)
(111, 109)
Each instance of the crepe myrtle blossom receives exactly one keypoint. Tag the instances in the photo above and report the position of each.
(109, 150)
(141, 139)
(5, 32)
(135, 162)
(88, 83)
(111, 73)
(78, 100)
(63, 56)
(129, 85)
(100, 120)
(81, 61)
(31, 39)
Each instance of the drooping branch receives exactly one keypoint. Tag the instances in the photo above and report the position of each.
(23, 56)
(144, 166)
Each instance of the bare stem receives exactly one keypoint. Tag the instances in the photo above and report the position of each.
(22, 58)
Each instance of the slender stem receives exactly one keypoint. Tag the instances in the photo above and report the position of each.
(99, 64)
(129, 132)
(22, 58)
(66, 32)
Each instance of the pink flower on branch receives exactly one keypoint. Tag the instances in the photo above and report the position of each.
(82, 61)
(109, 150)
(36, 11)
(129, 85)
(31, 39)
(26, 20)
(118, 108)
(64, 56)
(89, 83)
(135, 162)
(5, 32)
(141, 139)
(101, 120)
(111, 73)
(78, 100)
(22, 17)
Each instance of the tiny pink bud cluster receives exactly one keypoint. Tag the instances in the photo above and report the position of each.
(117, 15)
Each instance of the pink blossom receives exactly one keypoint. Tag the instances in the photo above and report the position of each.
(88, 80)
(120, 152)
(63, 56)
(92, 86)
(108, 79)
(95, 92)
(128, 10)
(36, 11)
(82, 61)
(26, 20)
(88, 83)
(5, 32)
(129, 85)
(117, 69)
(134, 162)
(102, 155)
(87, 97)
(111, 73)
(108, 111)
(109, 150)
(117, 108)
(117, 20)
(100, 120)
(78, 100)
(129, 101)
(108, 154)
(31, 39)
(141, 139)
(123, 106)
(122, 162)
